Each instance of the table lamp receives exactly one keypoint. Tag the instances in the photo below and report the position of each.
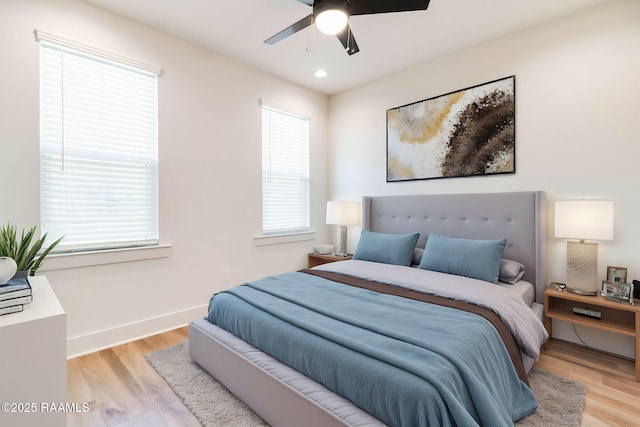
(343, 213)
(583, 220)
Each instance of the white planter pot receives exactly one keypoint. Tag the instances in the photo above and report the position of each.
(8, 269)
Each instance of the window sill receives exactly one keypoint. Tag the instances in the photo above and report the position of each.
(103, 257)
(278, 239)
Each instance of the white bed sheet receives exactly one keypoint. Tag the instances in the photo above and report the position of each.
(526, 327)
(522, 289)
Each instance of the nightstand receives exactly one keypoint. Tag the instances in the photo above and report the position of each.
(618, 318)
(315, 259)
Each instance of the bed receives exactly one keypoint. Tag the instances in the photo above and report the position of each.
(284, 396)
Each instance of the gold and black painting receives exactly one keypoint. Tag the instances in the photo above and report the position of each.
(468, 132)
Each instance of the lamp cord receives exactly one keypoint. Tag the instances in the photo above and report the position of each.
(579, 337)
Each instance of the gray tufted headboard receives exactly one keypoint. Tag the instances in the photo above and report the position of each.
(520, 217)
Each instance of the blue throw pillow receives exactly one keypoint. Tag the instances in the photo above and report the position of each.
(479, 259)
(386, 248)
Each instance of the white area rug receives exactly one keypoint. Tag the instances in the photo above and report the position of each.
(560, 400)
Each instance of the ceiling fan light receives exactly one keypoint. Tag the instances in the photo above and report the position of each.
(331, 21)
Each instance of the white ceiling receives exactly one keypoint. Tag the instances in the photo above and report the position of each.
(388, 42)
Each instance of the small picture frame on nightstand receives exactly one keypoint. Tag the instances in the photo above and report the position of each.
(616, 274)
(618, 292)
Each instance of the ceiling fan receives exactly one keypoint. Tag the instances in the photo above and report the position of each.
(332, 16)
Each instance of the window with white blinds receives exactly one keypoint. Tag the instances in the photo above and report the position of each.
(98, 150)
(285, 171)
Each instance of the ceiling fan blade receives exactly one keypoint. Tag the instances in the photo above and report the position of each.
(300, 25)
(307, 2)
(348, 41)
(367, 7)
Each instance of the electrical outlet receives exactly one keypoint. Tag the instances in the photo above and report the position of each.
(225, 274)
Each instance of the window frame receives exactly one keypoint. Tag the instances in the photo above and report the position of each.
(292, 233)
(53, 41)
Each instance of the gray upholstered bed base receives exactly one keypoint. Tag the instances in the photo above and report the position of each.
(280, 395)
(284, 397)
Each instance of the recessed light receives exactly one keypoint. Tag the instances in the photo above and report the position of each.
(320, 73)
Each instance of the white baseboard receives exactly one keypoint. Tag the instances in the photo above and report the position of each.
(99, 340)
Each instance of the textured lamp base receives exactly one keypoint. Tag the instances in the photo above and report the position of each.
(582, 266)
(343, 241)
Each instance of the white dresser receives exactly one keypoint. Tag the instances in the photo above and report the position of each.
(33, 360)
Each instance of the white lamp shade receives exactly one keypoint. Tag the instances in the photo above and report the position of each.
(331, 21)
(343, 213)
(584, 219)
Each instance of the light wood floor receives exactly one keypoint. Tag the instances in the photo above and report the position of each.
(124, 390)
(613, 395)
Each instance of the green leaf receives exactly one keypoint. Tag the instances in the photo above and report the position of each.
(23, 255)
(41, 258)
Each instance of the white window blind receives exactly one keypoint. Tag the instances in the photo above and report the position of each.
(98, 150)
(285, 171)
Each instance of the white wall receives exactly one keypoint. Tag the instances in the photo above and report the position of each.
(210, 172)
(577, 116)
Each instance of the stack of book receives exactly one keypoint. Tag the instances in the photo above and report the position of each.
(14, 295)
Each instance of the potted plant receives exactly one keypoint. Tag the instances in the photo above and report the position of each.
(25, 252)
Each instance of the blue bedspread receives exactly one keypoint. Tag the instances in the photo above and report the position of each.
(406, 362)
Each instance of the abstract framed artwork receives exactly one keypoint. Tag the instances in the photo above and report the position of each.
(469, 132)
